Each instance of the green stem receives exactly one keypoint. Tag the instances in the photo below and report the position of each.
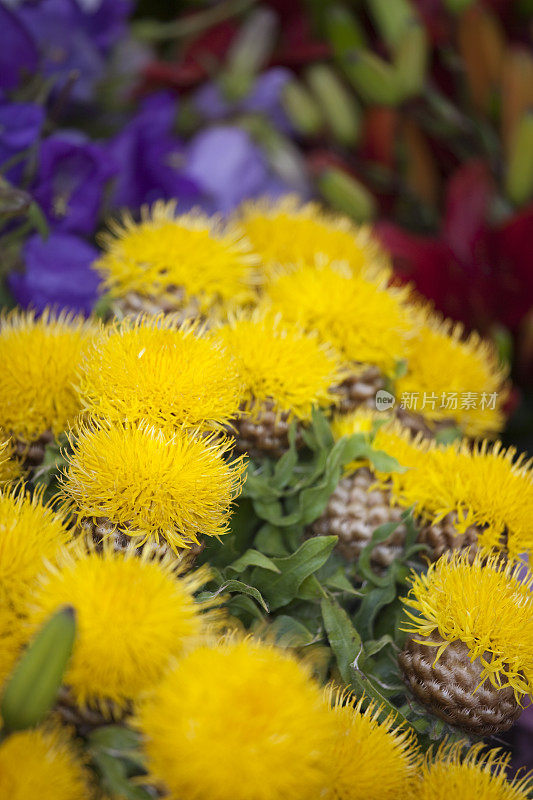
(190, 26)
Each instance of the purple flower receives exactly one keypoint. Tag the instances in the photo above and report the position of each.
(264, 98)
(20, 127)
(150, 158)
(67, 52)
(70, 182)
(18, 51)
(58, 273)
(229, 167)
(104, 21)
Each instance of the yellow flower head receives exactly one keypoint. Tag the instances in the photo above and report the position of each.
(42, 763)
(279, 363)
(10, 469)
(39, 358)
(159, 370)
(30, 534)
(179, 258)
(476, 774)
(484, 485)
(134, 613)
(453, 377)
(486, 605)
(366, 322)
(369, 759)
(285, 233)
(150, 484)
(238, 721)
(12, 639)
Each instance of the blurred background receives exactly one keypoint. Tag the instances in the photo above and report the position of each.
(415, 116)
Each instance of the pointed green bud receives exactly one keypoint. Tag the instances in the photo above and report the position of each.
(519, 181)
(375, 80)
(412, 59)
(32, 688)
(392, 18)
(343, 31)
(340, 107)
(301, 108)
(347, 194)
(249, 52)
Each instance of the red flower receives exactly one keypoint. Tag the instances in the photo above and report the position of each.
(474, 272)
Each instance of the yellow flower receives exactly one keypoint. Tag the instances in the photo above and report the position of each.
(159, 370)
(238, 721)
(287, 233)
(30, 534)
(134, 613)
(369, 759)
(42, 763)
(366, 322)
(150, 484)
(12, 639)
(458, 377)
(10, 469)
(279, 363)
(473, 775)
(486, 605)
(484, 485)
(180, 258)
(39, 358)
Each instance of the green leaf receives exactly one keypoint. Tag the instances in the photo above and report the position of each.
(294, 569)
(371, 605)
(343, 638)
(340, 582)
(240, 588)
(270, 541)
(383, 462)
(253, 558)
(288, 632)
(285, 466)
(114, 777)
(448, 435)
(364, 567)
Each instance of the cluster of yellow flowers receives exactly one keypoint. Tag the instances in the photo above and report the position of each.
(221, 328)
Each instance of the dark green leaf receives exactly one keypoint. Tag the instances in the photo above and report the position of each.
(253, 558)
(310, 556)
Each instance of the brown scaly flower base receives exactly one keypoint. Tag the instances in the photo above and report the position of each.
(417, 423)
(448, 689)
(359, 390)
(133, 304)
(100, 528)
(353, 513)
(84, 719)
(357, 507)
(266, 436)
(31, 454)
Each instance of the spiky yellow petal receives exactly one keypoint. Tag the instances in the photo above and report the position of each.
(239, 721)
(278, 362)
(370, 759)
(366, 321)
(286, 233)
(454, 377)
(30, 534)
(199, 256)
(476, 774)
(42, 763)
(39, 358)
(160, 370)
(134, 613)
(151, 484)
(10, 469)
(483, 603)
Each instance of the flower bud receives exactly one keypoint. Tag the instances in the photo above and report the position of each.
(340, 107)
(347, 194)
(519, 181)
(301, 108)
